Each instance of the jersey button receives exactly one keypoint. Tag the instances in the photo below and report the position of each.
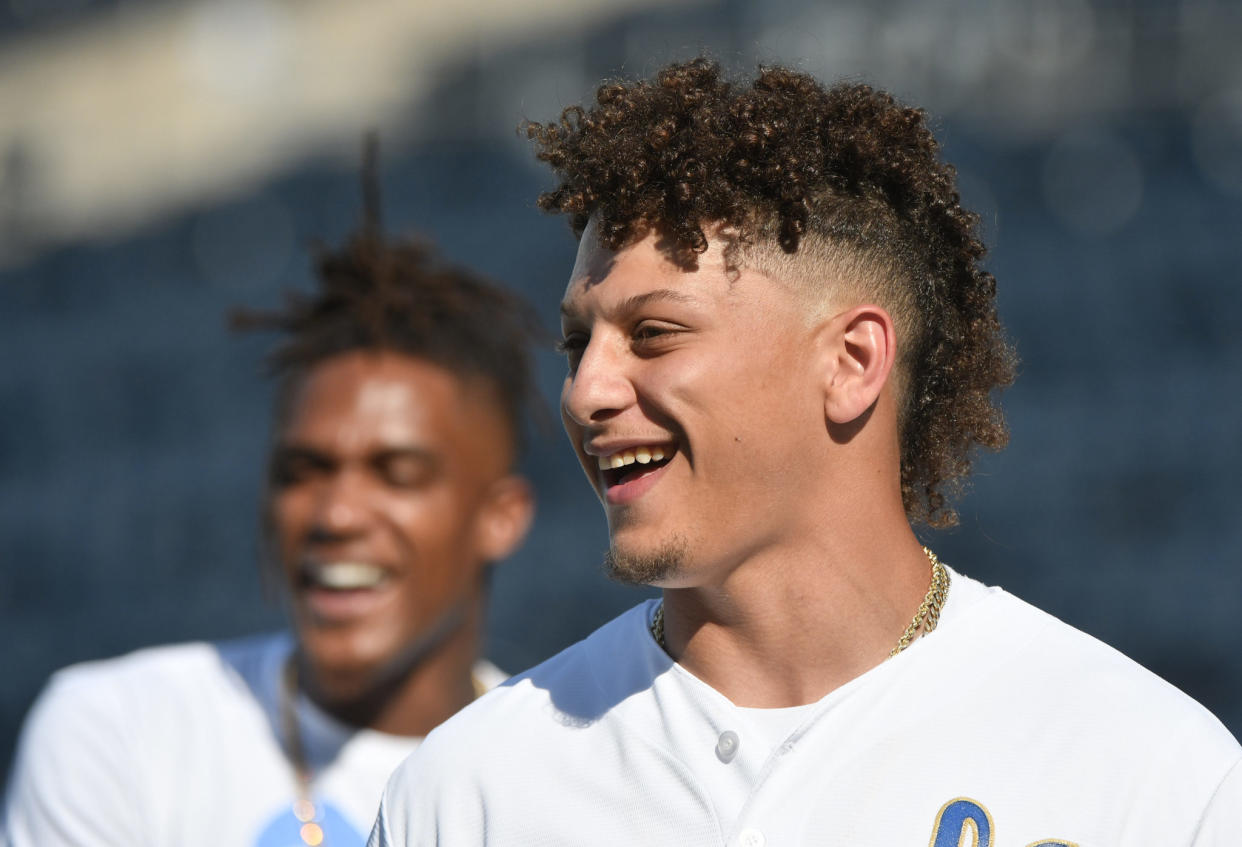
(726, 746)
(750, 838)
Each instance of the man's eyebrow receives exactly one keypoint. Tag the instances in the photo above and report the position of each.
(637, 301)
(420, 454)
(296, 449)
(287, 452)
(629, 304)
(299, 450)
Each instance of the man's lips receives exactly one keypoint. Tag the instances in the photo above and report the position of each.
(628, 472)
(342, 591)
(342, 575)
(641, 455)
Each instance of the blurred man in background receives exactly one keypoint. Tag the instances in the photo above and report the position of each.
(402, 387)
(782, 349)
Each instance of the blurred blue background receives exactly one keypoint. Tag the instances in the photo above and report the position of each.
(161, 162)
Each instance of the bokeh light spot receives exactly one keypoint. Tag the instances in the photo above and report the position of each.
(304, 810)
(312, 834)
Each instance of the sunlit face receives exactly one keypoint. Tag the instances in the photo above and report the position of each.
(384, 472)
(691, 402)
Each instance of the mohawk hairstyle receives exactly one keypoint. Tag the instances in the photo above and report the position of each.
(784, 164)
(398, 295)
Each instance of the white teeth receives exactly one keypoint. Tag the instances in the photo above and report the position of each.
(642, 455)
(347, 575)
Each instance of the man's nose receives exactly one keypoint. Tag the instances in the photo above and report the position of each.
(600, 386)
(341, 508)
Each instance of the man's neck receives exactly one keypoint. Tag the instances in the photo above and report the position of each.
(789, 626)
(412, 702)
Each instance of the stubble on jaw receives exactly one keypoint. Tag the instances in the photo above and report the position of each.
(647, 568)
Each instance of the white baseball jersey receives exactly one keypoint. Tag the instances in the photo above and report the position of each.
(180, 745)
(1003, 728)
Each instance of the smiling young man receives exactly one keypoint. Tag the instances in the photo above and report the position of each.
(402, 385)
(781, 350)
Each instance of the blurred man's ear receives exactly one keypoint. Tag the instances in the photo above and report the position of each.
(505, 517)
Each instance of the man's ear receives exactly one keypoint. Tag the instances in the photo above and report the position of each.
(504, 518)
(861, 347)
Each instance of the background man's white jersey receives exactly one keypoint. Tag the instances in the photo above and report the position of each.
(181, 745)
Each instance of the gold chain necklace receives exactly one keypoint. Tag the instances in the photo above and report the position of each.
(304, 808)
(928, 615)
(926, 618)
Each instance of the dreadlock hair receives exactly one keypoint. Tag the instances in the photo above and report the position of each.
(399, 296)
(820, 182)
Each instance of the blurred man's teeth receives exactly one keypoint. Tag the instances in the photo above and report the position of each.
(642, 455)
(347, 575)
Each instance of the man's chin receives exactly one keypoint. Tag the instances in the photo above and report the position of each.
(335, 665)
(646, 567)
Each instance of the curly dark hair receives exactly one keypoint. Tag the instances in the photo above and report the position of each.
(398, 295)
(792, 171)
